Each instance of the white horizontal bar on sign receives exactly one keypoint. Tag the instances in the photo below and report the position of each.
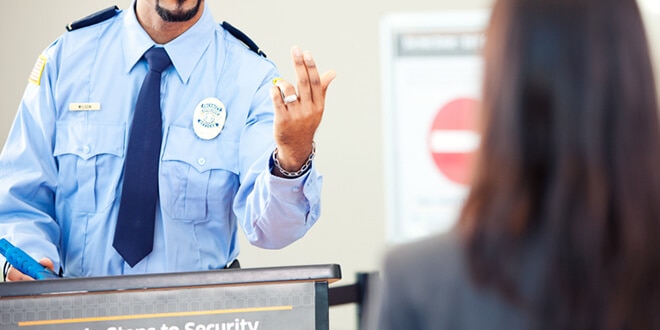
(454, 141)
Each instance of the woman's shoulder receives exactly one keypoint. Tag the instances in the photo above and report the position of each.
(445, 249)
(432, 277)
(435, 262)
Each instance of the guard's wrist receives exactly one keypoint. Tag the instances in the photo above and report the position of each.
(278, 169)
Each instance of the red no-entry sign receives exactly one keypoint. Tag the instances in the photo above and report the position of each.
(454, 139)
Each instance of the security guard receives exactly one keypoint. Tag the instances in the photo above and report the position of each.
(234, 146)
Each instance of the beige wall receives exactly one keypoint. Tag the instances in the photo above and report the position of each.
(344, 36)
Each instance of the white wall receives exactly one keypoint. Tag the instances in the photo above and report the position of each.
(344, 36)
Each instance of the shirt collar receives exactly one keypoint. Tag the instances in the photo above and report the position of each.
(185, 51)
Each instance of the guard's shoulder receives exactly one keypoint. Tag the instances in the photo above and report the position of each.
(94, 18)
(238, 34)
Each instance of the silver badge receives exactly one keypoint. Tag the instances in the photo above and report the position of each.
(209, 118)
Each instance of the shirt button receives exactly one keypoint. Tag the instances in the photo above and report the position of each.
(201, 161)
(86, 149)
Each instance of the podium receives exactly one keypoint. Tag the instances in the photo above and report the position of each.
(274, 298)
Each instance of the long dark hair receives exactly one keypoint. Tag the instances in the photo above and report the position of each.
(569, 164)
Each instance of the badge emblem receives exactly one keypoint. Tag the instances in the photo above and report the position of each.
(209, 118)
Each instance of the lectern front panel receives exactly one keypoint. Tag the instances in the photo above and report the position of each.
(274, 305)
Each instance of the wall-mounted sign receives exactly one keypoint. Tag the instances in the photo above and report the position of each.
(431, 85)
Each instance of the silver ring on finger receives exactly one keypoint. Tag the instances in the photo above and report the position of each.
(290, 98)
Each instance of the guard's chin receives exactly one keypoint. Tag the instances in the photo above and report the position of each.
(179, 14)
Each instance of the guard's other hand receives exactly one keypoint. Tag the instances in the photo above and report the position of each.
(14, 275)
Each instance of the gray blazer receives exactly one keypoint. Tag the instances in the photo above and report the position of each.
(427, 285)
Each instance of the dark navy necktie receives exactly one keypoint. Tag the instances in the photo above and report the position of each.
(134, 235)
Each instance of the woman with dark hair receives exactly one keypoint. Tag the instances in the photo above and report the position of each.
(560, 229)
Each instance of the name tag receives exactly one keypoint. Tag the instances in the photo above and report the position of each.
(93, 106)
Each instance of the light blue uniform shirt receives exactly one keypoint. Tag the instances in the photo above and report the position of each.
(61, 170)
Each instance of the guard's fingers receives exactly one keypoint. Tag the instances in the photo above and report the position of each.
(288, 92)
(47, 263)
(326, 78)
(278, 103)
(302, 76)
(14, 276)
(316, 89)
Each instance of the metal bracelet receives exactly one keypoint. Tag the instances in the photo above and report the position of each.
(299, 172)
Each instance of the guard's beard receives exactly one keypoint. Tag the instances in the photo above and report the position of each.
(177, 15)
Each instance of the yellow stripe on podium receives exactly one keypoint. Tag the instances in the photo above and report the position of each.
(159, 315)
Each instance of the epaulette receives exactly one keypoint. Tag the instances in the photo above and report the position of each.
(94, 18)
(243, 37)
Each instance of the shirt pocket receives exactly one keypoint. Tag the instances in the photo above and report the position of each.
(199, 178)
(90, 160)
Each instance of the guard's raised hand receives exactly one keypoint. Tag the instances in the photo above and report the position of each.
(298, 114)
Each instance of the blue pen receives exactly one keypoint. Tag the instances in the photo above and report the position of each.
(24, 263)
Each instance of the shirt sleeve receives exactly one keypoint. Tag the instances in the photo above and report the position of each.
(28, 172)
(274, 212)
